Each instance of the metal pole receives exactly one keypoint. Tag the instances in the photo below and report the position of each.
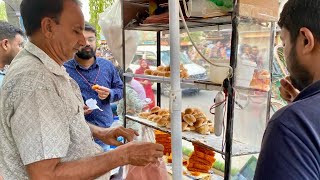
(271, 56)
(158, 64)
(230, 108)
(124, 66)
(175, 93)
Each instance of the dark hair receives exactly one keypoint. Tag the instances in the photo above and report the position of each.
(33, 11)
(128, 79)
(8, 31)
(89, 27)
(300, 13)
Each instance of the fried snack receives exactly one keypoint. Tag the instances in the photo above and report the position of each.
(148, 72)
(197, 111)
(162, 112)
(167, 68)
(170, 158)
(144, 115)
(161, 68)
(199, 115)
(155, 110)
(182, 114)
(197, 170)
(166, 116)
(203, 149)
(211, 127)
(195, 173)
(184, 74)
(203, 129)
(150, 117)
(168, 125)
(188, 111)
(182, 67)
(199, 122)
(188, 118)
(163, 122)
(155, 73)
(195, 159)
(95, 87)
(160, 73)
(192, 128)
(167, 74)
(185, 126)
(199, 166)
(156, 118)
(202, 155)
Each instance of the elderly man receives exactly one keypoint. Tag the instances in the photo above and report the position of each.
(11, 42)
(291, 143)
(43, 133)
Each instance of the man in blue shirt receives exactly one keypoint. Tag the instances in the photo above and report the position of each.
(88, 70)
(11, 42)
(291, 143)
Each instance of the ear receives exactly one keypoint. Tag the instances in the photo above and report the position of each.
(5, 44)
(307, 40)
(48, 27)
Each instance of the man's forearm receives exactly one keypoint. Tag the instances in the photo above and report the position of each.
(92, 167)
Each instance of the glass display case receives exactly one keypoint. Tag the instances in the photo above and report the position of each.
(241, 37)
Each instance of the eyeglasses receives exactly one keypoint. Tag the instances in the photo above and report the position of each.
(91, 39)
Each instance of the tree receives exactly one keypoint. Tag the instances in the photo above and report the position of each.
(3, 14)
(97, 7)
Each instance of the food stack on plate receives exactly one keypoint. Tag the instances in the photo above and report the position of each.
(193, 119)
(157, 115)
(164, 139)
(164, 71)
(201, 160)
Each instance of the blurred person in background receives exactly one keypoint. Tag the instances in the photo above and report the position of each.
(88, 70)
(147, 85)
(11, 42)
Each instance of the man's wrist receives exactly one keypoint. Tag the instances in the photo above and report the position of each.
(122, 153)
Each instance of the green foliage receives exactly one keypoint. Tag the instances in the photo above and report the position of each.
(97, 7)
(218, 165)
(186, 151)
(3, 14)
(195, 36)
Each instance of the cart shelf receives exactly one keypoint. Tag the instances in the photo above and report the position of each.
(191, 22)
(201, 84)
(209, 141)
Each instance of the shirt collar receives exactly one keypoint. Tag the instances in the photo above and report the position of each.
(94, 65)
(48, 62)
(309, 91)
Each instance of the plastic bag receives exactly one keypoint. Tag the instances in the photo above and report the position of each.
(154, 171)
(111, 25)
(209, 8)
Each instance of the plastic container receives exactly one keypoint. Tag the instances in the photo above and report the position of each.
(219, 74)
(244, 72)
(116, 123)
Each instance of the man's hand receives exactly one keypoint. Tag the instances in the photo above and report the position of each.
(103, 92)
(141, 153)
(110, 135)
(86, 110)
(287, 91)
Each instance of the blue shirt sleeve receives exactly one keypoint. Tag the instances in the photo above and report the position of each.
(116, 90)
(284, 155)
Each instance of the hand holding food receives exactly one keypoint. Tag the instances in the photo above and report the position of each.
(103, 92)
